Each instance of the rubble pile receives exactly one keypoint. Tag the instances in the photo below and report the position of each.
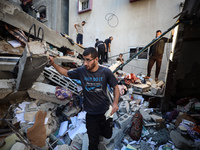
(52, 123)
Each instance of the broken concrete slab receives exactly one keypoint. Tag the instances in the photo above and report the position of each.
(154, 90)
(70, 111)
(115, 65)
(145, 115)
(180, 141)
(45, 92)
(59, 60)
(34, 60)
(141, 87)
(160, 83)
(6, 87)
(155, 117)
(8, 63)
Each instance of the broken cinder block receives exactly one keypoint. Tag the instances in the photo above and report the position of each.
(124, 121)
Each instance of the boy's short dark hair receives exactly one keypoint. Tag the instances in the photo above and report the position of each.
(97, 39)
(92, 51)
(158, 31)
(83, 22)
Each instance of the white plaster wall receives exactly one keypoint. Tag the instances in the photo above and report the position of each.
(138, 22)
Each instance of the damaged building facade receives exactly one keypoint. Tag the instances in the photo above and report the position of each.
(35, 114)
(132, 24)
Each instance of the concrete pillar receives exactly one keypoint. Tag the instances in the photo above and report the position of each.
(31, 65)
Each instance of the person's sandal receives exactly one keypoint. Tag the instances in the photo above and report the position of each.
(146, 77)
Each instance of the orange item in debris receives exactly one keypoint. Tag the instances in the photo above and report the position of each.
(197, 128)
(131, 78)
(37, 133)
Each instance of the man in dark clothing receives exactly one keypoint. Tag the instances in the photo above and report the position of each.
(101, 49)
(26, 4)
(107, 44)
(94, 80)
(156, 54)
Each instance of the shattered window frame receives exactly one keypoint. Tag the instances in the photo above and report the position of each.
(84, 6)
(42, 9)
(135, 50)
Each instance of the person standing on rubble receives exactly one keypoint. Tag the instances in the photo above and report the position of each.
(101, 49)
(94, 79)
(107, 44)
(26, 4)
(120, 58)
(79, 29)
(156, 54)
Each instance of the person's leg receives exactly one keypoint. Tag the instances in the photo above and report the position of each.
(81, 39)
(77, 38)
(106, 127)
(106, 56)
(99, 56)
(102, 55)
(93, 130)
(150, 65)
(158, 66)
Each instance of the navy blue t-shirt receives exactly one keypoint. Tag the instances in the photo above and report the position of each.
(94, 88)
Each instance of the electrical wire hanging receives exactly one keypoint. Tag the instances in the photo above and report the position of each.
(111, 16)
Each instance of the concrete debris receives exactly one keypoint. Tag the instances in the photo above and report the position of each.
(59, 60)
(6, 87)
(7, 63)
(34, 60)
(141, 87)
(45, 92)
(10, 141)
(19, 146)
(124, 106)
(124, 121)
